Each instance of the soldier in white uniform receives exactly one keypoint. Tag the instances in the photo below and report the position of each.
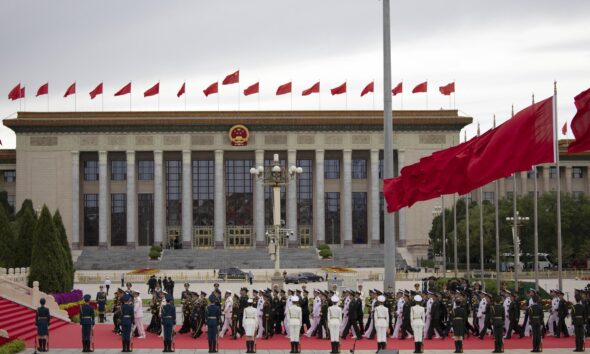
(334, 324)
(259, 311)
(290, 294)
(294, 319)
(417, 322)
(553, 313)
(428, 315)
(381, 323)
(345, 308)
(481, 313)
(315, 312)
(506, 305)
(399, 314)
(371, 326)
(227, 313)
(249, 321)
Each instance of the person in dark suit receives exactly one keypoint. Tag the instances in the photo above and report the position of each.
(87, 322)
(42, 318)
(168, 322)
(536, 319)
(127, 319)
(213, 321)
(579, 318)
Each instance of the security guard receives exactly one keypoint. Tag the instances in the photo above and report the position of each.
(87, 322)
(334, 322)
(536, 318)
(579, 317)
(498, 317)
(459, 316)
(381, 323)
(213, 320)
(127, 319)
(168, 322)
(42, 319)
(101, 302)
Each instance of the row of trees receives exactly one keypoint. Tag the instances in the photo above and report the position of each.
(575, 226)
(38, 241)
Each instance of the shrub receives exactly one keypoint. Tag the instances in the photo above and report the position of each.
(154, 254)
(323, 246)
(26, 227)
(156, 247)
(15, 346)
(7, 241)
(325, 253)
(62, 238)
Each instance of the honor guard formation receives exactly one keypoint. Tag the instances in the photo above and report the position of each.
(260, 314)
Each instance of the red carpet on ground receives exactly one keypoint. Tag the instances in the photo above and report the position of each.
(19, 321)
(69, 336)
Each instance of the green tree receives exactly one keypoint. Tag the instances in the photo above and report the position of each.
(26, 227)
(7, 240)
(67, 252)
(4, 203)
(26, 205)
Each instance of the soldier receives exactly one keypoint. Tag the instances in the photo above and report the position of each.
(579, 317)
(398, 314)
(562, 313)
(267, 314)
(428, 314)
(294, 318)
(370, 326)
(304, 302)
(138, 314)
(435, 322)
(199, 314)
(536, 318)
(249, 322)
(323, 332)
(168, 322)
(87, 322)
(498, 317)
(213, 314)
(553, 313)
(514, 317)
(407, 331)
(42, 319)
(127, 320)
(228, 307)
(353, 317)
(345, 309)
(506, 305)
(260, 313)
(117, 303)
(243, 305)
(459, 315)
(155, 325)
(417, 322)
(235, 317)
(315, 313)
(288, 303)
(381, 323)
(185, 297)
(334, 323)
(101, 302)
(483, 314)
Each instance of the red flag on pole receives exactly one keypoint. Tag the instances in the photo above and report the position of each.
(71, 90)
(22, 92)
(423, 87)
(313, 89)
(154, 90)
(97, 91)
(124, 90)
(369, 88)
(213, 88)
(338, 90)
(581, 123)
(398, 89)
(14, 94)
(284, 89)
(182, 90)
(232, 78)
(447, 89)
(43, 90)
(564, 129)
(252, 89)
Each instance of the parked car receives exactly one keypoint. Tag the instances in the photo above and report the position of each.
(305, 277)
(409, 268)
(232, 273)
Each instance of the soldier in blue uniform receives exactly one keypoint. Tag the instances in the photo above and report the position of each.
(42, 319)
(87, 322)
(213, 321)
(127, 319)
(168, 321)
(101, 302)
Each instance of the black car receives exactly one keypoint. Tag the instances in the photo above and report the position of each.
(232, 273)
(305, 277)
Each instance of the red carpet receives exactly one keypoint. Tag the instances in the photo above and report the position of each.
(19, 320)
(69, 336)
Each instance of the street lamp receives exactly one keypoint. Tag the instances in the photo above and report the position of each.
(436, 212)
(276, 177)
(516, 222)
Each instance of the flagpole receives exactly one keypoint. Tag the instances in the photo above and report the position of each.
(47, 95)
(373, 94)
(497, 224)
(75, 97)
(131, 89)
(291, 94)
(481, 257)
(455, 236)
(319, 97)
(218, 94)
(402, 96)
(346, 95)
(102, 95)
(185, 95)
(556, 143)
(444, 236)
(158, 95)
(258, 94)
(536, 225)
(238, 92)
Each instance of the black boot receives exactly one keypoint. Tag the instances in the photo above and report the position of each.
(297, 347)
(292, 347)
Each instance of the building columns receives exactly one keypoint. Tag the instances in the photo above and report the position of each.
(292, 199)
(346, 214)
(75, 200)
(568, 179)
(374, 207)
(187, 200)
(219, 220)
(159, 216)
(259, 227)
(319, 210)
(524, 184)
(131, 201)
(103, 192)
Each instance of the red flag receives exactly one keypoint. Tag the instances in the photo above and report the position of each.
(369, 88)
(252, 89)
(97, 91)
(564, 129)
(581, 123)
(182, 89)
(14, 94)
(154, 90)
(447, 89)
(213, 88)
(313, 89)
(71, 90)
(423, 87)
(43, 90)
(232, 78)
(283, 89)
(338, 90)
(398, 89)
(124, 90)
(22, 92)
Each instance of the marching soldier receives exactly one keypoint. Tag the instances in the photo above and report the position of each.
(186, 298)
(127, 320)
(345, 308)
(101, 302)
(417, 322)
(304, 302)
(228, 307)
(459, 316)
(155, 325)
(294, 320)
(484, 314)
(267, 315)
(381, 323)
(334, 322)
(168, 322)
(579, 317)
(370, 326)
(42, 319)
(323, 325)
(498, 317)
(117, 303)
(436, 318)
(235, 317)
(315, 313)
(243, 305)
(213, 319)
(536, 319)
(249, 322)
(353, 317)
(406, 321)
(398, 314)
(514, 317)
(562, 313)
(553, 314)
(428, 315)
(87, 322)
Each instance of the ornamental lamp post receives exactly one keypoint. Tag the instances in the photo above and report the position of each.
(517, 221)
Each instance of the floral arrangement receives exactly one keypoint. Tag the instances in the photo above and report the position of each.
(75, 295)
(338, 270)
(73, 308)
(144, 271)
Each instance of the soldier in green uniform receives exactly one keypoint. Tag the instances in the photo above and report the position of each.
(579, 317)
(514, 317)
(117, 303)
(168, 322)
(459, 315)
(127, 319)
(87, 322)
(536, 319)
(42, 319)
(498, 318)
(234, 317)
(322, 329)
(101, 303)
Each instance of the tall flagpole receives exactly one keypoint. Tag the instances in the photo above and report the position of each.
(444, 236)
(536, 232)
(515, 230)
(75, 97)
(158, 95)
(556, 143)
(185, 95)
(388, 218)
(497, 220)
(467, 204)
(481, 236)
(455, 236)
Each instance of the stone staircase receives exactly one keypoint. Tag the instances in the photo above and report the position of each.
(19, 321)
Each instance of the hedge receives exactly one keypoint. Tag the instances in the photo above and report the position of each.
(16, 346)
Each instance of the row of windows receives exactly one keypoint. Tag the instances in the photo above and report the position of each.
(577, 172)
(490, 196)
(10, 176)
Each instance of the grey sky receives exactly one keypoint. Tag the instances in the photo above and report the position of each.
(498, 52)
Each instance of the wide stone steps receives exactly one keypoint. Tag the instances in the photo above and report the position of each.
(19, 320)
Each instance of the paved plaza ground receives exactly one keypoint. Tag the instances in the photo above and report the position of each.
(203, 351)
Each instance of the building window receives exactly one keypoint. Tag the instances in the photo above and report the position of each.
(577, 194)
(552, 172)
(118, 170)
(531, 173)
(118, 219)
(359, 169)
(91, 170)
(145, 170)
(488, 197)
(145, 219)
(238, 192)
(359, 217)
(10, 176)
(332, 169)
(332, 214)
(173, 192)
(381, 169)
(577, 172)
(268, 196)
(203, 192)
(11, 200)
(90, 219)
(305, 193)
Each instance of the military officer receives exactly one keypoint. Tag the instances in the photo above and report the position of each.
(294, 319)
(459, 315)
(579, 317)
(498, 317)
(536, 319)
(381, 323)
(228, 307)
(417, 323)
(127, 320)
(334, 322)
(304, 303)
(213, 319)
(514, 316)
(42, 319)
(249, 322)
(168, 322)
(243, 305)
(101, 302)
(87, 322)
(562, 313)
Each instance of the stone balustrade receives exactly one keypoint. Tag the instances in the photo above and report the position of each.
(17, 275)
(29, 297)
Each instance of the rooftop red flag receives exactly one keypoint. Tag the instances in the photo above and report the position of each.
(252, 89)
(564, 129)
(182, 90)
(398, 89)
(338, 90)
(213, 88)
(369, 88)
(581, 123)
(232, 78)
(447, 89)
(97, 91)
(284, 88)
(22, 92)
(14, 94)
(124, 90)
(313, 89)
(71, 90)
(154, 90)
(423, 87)
(43, 90)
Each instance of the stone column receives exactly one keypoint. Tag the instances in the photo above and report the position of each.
(259, 227)
(568, 179)
(103, 193)
(319, 210)
(187, 200)
(545, 171)
(502, 187)
(374, 188)
(219, 200)
(76, 200)
(292, 199)
(159, 215)
(346, 196)
(524, 189)
(131, 201)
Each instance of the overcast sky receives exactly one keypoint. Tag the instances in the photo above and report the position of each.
(498, 52)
